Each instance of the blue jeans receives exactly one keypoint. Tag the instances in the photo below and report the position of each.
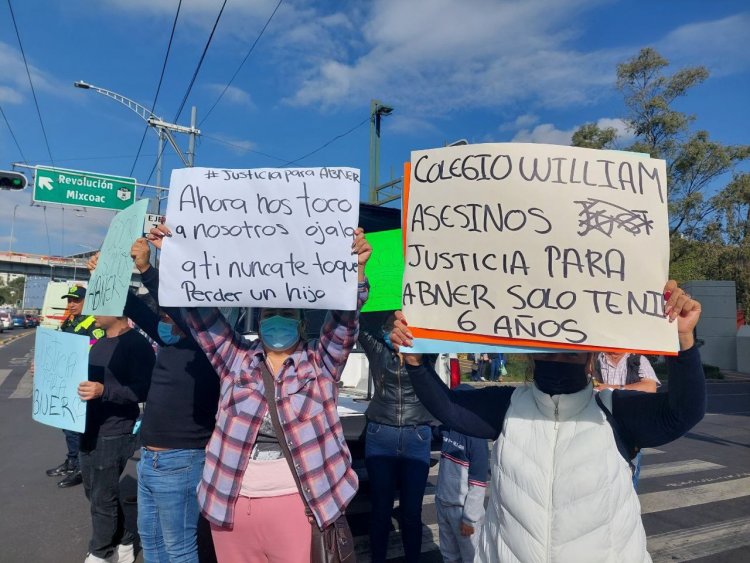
(168, 509)
(73, 441)
(101, 465)
(397, 457)
(637, 470)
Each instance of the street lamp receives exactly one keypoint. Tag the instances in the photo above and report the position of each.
(12, 227)
(377, 111)
(163, 128)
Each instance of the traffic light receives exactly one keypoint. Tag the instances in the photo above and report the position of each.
(12, 180)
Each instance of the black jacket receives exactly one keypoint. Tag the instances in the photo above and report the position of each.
(394, 401)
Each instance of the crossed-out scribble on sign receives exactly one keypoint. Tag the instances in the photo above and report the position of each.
(605, 217)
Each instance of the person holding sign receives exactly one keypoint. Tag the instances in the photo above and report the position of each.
(119, 375)
(275, 469)
(75, 323)
(179, 417)
(397, 447)
(560, 480)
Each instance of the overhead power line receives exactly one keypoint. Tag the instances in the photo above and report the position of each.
(244, 148)
(324, 145)
(158, 87)
(13, 135)
(200, 63)
(31, 83)
(192, 81)
(236, 72)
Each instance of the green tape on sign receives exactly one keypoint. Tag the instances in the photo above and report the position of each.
(385, 270)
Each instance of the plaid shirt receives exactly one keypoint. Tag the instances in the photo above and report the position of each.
(306, 392)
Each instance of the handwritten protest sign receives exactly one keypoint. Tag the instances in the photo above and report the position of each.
(533, 245)
(385, 270)
(60, 363)
(263, 237)
(108, 287)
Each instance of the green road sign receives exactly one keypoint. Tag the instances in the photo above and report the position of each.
(83, 189)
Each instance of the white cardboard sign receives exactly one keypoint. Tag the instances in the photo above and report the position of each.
(538, 243)
(261, 237)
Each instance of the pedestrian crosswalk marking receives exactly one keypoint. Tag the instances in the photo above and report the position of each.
(700, 541)
(677, 467)
(4, 373)
(693, 496)
(651, 451)
(24, 388)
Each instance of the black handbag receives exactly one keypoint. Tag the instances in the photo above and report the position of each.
(334, 543)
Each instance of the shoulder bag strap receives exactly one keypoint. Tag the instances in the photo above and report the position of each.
(621, 446)
(269, 392)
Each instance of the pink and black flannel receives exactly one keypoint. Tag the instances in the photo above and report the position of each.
(306, 397)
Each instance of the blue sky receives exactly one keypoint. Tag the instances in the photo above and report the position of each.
(484, 70)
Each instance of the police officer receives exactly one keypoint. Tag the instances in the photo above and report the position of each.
(76, 323)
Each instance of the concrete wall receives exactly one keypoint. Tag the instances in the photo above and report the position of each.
(743, 349)
(717, 327)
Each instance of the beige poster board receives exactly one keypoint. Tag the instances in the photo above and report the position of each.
(528, 244)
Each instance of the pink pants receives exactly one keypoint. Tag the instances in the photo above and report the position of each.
(266, 530)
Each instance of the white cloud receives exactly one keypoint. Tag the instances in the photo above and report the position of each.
(521, 122)
(549, 134)
(233, 95)
(441, 54)
(406, 124)
(30, 235)
(14, 83)
(237, 146)
(722, 45)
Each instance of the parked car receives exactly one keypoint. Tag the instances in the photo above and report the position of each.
(6, 323)
(19, 321)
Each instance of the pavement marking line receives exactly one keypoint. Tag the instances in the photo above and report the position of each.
(701, 541)
(430, 542)
(4, 373)
(25, 387)
(693, 496)
(651, 451)
(677, 467)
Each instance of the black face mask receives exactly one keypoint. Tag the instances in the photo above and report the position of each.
(560, 378)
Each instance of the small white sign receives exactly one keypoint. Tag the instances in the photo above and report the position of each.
(152, 220)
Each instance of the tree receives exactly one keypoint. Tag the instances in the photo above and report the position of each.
(694, 161)
(12, 292)
(709, 223)
(730, 230)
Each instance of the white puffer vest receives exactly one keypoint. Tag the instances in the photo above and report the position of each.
(561, 492)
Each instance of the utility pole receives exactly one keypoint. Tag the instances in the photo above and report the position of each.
(163, 130)
(377, 110)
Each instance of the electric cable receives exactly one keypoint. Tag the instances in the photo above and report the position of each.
(31, 83)
(236, 72)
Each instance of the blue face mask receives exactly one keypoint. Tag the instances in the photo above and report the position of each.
(279, 333)
(166, 335)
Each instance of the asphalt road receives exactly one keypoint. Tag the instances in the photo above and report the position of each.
(695, 492)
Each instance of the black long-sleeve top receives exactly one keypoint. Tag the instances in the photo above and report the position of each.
(394, 402)
(643, 419)
(123, 364)
(180, 410)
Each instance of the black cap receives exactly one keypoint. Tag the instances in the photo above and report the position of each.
(75, 292)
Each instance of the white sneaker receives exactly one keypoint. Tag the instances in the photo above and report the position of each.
(91, 558)
(124, 554)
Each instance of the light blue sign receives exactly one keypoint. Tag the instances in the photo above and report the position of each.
(108, 287)
(430, 346)
(61, 362)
